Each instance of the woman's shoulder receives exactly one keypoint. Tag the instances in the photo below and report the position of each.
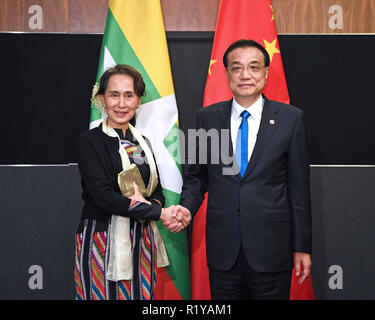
(92, 141)
(91, 134)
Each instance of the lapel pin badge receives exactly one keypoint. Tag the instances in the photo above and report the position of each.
(272, 121)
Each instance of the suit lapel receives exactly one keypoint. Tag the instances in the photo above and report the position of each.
(229, 163)
(268, 125)
(225, 116)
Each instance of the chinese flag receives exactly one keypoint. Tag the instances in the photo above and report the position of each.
(240, 19)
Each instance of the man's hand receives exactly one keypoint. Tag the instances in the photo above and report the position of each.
(303, 272)
(175, 218)
(182, 214)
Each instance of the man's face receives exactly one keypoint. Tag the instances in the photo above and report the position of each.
(246, 73)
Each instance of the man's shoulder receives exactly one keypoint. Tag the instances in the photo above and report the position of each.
(219, 106)
(285, 108)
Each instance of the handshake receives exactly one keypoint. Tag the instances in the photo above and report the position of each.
(175, 218)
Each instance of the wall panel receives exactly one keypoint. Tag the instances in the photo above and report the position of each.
(314, 16)
(40, 212)
(193, 15)
(15, 15)
(343, 238)
(291, 16)
(41, 208)
(321, 76)
(87, 16)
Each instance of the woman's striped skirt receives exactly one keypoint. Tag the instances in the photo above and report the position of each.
(91, 259)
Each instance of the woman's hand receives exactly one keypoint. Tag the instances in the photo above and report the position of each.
(137, 196)
(175, 218)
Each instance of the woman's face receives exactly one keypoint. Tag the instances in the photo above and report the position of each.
(120, 101)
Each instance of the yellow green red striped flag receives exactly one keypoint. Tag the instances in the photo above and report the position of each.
(135, 35)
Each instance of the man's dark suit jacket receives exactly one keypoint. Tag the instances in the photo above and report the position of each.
(268, 210)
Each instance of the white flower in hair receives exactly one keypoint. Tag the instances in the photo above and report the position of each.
(95, 99)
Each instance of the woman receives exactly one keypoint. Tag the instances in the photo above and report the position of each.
(117, 238)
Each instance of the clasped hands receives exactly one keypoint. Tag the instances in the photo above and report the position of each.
(174, 218)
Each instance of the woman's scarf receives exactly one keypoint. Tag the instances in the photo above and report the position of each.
(120, 266)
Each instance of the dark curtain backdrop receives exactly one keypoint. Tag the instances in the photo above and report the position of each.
(46, 82)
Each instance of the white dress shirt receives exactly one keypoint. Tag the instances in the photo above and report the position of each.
(253, 121)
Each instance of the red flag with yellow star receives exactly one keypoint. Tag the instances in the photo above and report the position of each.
(240, 19)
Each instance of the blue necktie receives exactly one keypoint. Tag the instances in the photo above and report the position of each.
(242, 143)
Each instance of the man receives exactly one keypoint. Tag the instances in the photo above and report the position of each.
(259, 215)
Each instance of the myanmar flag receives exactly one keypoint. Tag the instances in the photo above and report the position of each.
(240, 19)
(134, 35)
